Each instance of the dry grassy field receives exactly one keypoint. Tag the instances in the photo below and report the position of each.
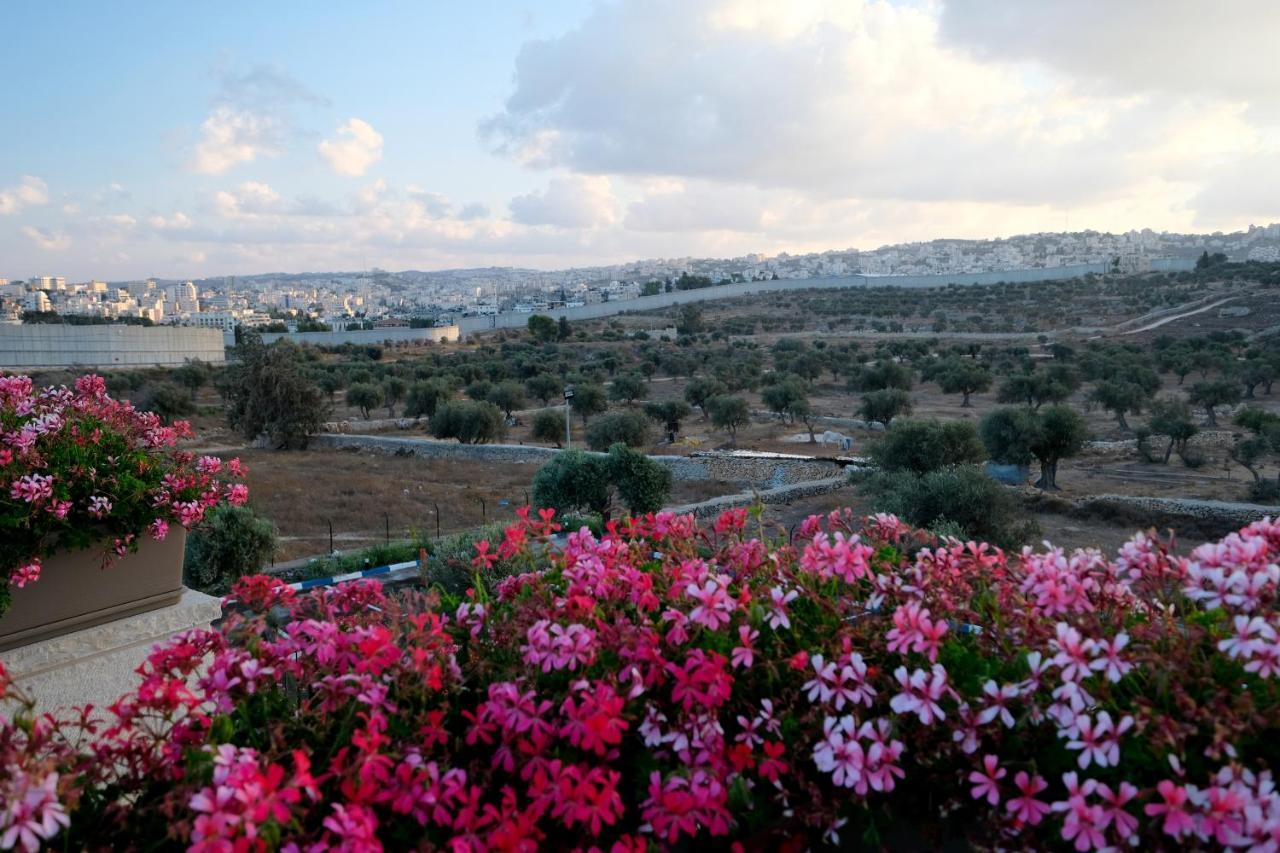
(369, 496)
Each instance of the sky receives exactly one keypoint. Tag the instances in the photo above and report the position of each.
(193, 140)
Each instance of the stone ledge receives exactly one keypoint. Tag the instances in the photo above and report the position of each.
(97, 664)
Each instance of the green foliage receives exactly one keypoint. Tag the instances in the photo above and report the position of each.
(267, 390)
(880, 376)
(669, 413)
(231, 541)
(166, 401)
(588, 399)
(1171, 416)
(628, 388)
(1060, 433)
(628, 428)
(364, 396)
(643, 485)
(1006, 433)
(963, 376)
(959, 497)
(786, 396)
(507, 395)
(1014, 436)
(544, 387)
(393, 391)
(548, 425)
(1212, 395)
(542, 328)
(701, 390)
(192, 375)
(424, 396)
(574, 481)
(1053, 384)
(688, 320)
(921, 445)
(469, 421)
(728, 413)
(1121, 397)
(885, 405)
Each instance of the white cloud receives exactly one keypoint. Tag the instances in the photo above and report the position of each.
(30, 191)
(1171, 46)
(251, 198)
(576, 201)
(179, 221)
(357, 147)
(231, 137)
(841, 100)
(50, 241)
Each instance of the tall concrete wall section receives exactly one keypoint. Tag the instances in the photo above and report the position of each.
(49, 345)
(373, 337)
(511, 320)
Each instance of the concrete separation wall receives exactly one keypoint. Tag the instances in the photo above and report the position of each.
(107, 346)
(369, 337)
(763, 473)
(512, 320)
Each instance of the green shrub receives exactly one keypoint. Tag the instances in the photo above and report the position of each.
(629, 428)
(962, 497)
(231, 542)
(468, 421)
(926, 444)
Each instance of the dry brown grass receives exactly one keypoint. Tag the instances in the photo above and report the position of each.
(365, 493)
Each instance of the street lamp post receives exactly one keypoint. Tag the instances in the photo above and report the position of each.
(568, 416)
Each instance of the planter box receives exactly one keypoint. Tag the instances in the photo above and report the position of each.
(74, 592)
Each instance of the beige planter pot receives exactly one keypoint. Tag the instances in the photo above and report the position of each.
(74, 591)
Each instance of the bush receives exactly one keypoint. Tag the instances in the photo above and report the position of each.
(231, 542)
(629, 428)
(267, 390)
(576, 481)
(923, 445)
(698, 689)
(468, 421)
(573, 482)
(424, 396)
(883, 406)
(548, 425)
(962, 495)
(643, 485)
(364, 396)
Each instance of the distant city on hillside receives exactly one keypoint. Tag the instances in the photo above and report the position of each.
(341, 300)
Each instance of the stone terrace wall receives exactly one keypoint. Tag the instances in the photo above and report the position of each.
(759, 472)
(780, 495)
(1211, 519)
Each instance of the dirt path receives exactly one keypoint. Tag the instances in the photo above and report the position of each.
(1163, 320)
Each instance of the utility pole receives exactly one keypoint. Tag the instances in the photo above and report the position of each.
(568, 416)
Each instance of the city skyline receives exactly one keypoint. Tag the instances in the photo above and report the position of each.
(579, 134)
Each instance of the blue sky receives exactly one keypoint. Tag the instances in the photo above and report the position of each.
(201, 139)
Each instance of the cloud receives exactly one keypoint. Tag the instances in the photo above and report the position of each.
(30, 191)
(50, 241)
(179, 221)
(231, 137)
(845, 99)
(251, 198)
(251, 117)
(357, 147)
(576, 201)
(1244, 190)
(1169, 46)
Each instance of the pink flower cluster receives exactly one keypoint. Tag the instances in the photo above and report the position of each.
(664, 686)
(73, 460)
